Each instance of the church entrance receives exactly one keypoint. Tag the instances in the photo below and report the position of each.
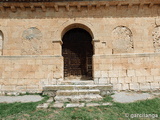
(77, 51)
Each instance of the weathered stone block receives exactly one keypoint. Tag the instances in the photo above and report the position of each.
(32, 87)
(155, 85)
(106, 104)
(96, 80)
(50, 100)
(43, 106)
(142, 72)
(149, 79)
(134, 86)
(131, 73)
(134, 79)
(117, 86)
(125, 86)
(141, 79)
(113, 80)
(122, 73)
(57, 105)
(97, 74)
(155, 72)
(121, 79)
(113, 73)
(103, 80)
(128, 79)
(145, 86)
(21, 88)
(92, 104)
(8, 87)
(39, 75)
(156, 79)
(75, 105)
(104, 74)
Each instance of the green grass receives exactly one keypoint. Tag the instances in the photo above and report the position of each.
(25, 111)
(18, 108)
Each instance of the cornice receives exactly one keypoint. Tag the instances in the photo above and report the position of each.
(68, 4)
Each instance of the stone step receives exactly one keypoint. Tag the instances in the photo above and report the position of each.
(77, 98)
(77, 92)
(76, 87)
(52, 89)
(78, 82)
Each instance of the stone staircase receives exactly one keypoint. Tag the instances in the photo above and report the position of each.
(77, 91)
(74, 96)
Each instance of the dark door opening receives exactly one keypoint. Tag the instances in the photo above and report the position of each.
(77, 51)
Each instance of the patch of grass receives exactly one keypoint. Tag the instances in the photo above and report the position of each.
(115, 112)
(107, 99)
(16, 108)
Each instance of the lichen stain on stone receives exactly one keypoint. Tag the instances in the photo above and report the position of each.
(32, 41)
(156, 38)
(122, 40)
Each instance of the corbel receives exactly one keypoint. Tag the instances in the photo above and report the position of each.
(98, 6)
(56, 8)
(130, 5)
(118, 6)
(13, 8)
(107, 6)
(67, 7)
(141, 5)
(79, 8)
(33, 8)
(89, 6)
(22, 7)
(150, 5)
(2, 8)
(43, 8)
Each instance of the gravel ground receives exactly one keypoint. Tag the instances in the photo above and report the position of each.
(127, 97)
(23, 99)
(122, 97)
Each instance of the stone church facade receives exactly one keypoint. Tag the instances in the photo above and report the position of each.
(46, 42)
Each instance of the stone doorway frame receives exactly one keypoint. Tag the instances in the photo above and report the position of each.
(68, 25)
(81, 77)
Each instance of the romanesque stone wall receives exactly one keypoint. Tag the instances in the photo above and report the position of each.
(125, 42)
(21, 74)
(128, 71)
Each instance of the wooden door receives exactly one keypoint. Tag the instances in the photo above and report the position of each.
(77, 51)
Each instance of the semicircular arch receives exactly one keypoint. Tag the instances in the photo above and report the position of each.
(58, 35)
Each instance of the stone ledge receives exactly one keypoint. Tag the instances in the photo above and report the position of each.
(31, 56)
(125, 55)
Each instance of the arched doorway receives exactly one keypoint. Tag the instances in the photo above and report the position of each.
(77, 51)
